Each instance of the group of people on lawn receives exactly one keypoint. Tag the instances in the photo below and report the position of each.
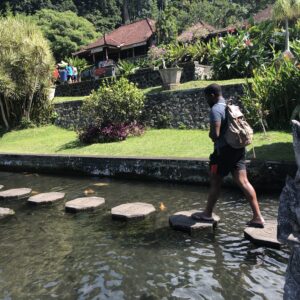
(65, 74)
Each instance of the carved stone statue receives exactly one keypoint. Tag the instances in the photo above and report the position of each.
(289, 222)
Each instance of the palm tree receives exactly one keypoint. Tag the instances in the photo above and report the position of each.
(26, 64)
(285, 10)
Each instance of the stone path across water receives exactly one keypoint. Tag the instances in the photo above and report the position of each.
(46, 198)
(132, 210)
(6, 212)
(266, 236)
(15, 194)
(83, 204)
(184, 222)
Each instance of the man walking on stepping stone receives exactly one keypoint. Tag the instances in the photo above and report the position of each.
(224, 160)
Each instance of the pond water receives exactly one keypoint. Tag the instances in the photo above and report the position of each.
(49, 254)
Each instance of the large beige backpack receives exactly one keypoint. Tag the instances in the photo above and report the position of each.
(239, 133)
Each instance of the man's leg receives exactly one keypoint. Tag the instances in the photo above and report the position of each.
(213, 196)
(240, 177)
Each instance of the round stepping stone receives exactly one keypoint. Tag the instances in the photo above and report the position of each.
(184, 222)
(132, 210)
(46, 198)
(15, 194)
(1, 186)
(101, 184)
(83, 204)
(6, 212)
(266, 236)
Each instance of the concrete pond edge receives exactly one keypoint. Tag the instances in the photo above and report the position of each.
(265, 175)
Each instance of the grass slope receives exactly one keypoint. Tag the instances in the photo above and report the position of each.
(162, 143)
(184, 86)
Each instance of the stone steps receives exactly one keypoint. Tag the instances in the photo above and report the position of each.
(266, 236)
(84, 204)
(182, 220)
(46, 198)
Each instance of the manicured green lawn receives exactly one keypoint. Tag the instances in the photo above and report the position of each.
(196, 85)
(66, 99)
(162, 143)
(184, 86)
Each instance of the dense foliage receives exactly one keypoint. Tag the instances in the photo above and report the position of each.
(274, 93)
(26, 65)
(65, 30)
(236, 56)
(112, 111)
(107, 14)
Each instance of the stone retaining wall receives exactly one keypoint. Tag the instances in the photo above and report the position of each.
(143, 78)
(264, 175)
(175, 109)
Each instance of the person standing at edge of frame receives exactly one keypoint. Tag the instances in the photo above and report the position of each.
(225, 159)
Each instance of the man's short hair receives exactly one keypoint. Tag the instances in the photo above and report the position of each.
(213, 89)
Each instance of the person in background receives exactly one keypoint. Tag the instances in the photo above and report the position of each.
(63, 75)
(69, 69)
(75, 74)
(55, 74)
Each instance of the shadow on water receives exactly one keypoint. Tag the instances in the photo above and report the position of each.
(275, 151)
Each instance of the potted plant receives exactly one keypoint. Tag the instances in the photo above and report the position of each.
(165, 59)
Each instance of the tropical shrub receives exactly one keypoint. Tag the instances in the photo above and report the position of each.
(26, 65)
(197, 51)
(112, 110)
(273, 94)
(236, 56)
(170, 55)
(107, 133)
(157, 56)
(127, 67)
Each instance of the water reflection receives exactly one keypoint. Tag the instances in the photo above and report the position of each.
(47, 253)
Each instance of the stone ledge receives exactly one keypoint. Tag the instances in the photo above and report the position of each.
(267, 175)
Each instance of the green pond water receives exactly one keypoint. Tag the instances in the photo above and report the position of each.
(46, 253)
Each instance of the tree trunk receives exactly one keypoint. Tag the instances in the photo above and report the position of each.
(125, 14)
(30, 100)
(287, 35)
(3, 115)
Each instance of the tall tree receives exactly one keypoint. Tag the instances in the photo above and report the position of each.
(285, 10)
(26, 65)
(167, 30)
(104, 14)
(125, 12)
(66, 31)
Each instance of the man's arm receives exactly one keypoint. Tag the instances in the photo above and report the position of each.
(214, 132)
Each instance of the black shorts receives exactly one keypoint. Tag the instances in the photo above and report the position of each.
(227, 159)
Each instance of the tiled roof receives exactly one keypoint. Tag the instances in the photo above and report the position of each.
(202, 30)
(124, 36)
(264, 15)
(196, 31)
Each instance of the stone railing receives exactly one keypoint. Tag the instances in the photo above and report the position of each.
(176, 109)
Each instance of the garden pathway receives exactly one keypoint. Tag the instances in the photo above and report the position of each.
(179, 221)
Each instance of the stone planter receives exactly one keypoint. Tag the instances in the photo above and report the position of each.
(170, 77)
(51, 93)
